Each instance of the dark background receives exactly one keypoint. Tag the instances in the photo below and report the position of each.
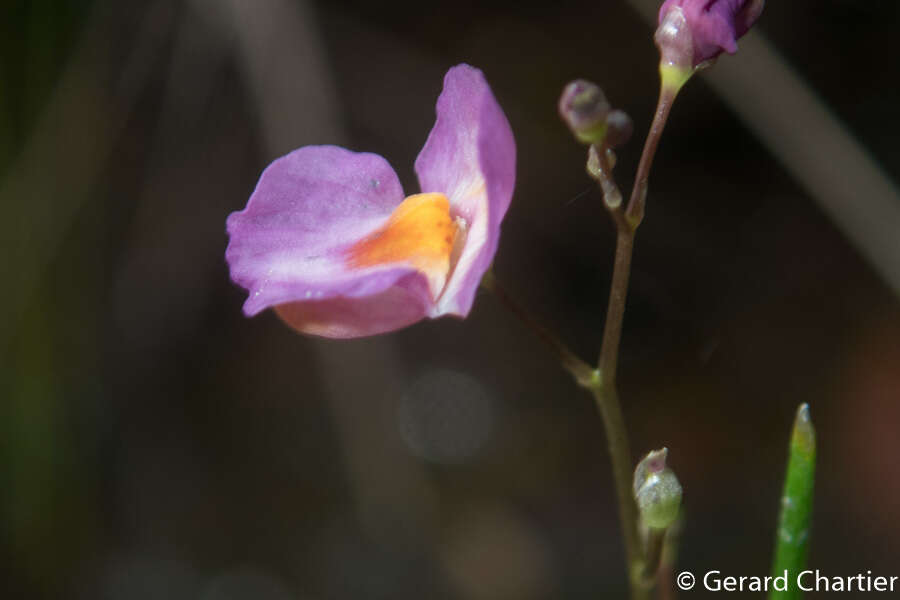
(154, 443)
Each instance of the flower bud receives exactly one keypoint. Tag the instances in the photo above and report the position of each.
(619, 128)
(692, 33)
(656, 490)
(584, 108)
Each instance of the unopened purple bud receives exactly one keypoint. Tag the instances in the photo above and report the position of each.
(619, 128)
(584, 108)
(692, 32)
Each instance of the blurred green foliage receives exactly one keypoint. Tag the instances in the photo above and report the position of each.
(44, 513)
(36, 36)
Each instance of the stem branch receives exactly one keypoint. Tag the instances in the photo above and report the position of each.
(579, 369)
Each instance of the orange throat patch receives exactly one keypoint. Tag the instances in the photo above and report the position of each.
(420, 233)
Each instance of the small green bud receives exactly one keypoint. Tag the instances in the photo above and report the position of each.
(656, 490)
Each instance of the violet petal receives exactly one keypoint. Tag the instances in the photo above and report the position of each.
(470, 156)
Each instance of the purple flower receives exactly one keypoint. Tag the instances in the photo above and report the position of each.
(328, 240)
(714, 26)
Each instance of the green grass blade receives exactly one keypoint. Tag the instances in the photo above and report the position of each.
(792, 536)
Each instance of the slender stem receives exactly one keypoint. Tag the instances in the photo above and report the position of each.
(580, 370)
(615, 311)
(607, 399)
(635, 211)
(653, 551)
(605, 392)
(665, 574)
(602, 381)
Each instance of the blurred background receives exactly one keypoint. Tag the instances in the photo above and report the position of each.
(154, 443)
